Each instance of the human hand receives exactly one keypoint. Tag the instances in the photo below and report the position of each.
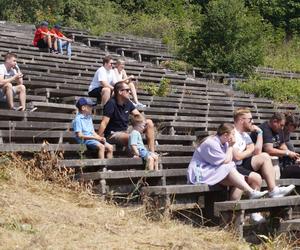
(18, 76)
(255, 128)
(231, 141)
(293, 155)
(135, 156)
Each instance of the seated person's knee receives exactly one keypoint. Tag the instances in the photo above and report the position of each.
(100, 146)
(255, 177)
(106, 90)
(149, 123)
(109, 148)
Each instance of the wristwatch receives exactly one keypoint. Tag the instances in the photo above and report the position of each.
(287, 152)
(259, 132)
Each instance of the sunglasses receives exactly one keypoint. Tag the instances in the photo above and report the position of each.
(127, 90)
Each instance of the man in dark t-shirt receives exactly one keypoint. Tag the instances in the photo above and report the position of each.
(114, 124)
(274, 145)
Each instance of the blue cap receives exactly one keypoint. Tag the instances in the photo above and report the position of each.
(44, 23)
(57, 26)
(84, 101)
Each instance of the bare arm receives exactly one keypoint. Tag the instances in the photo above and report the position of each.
(103, 124)
(281, 151)
(239, 156)
(259, 140)
(134, 150)
(93, 137)
(9, 80)
(229, 155)
(105, 84)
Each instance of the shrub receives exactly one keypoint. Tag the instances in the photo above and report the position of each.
(163, 89)
(278, 89)
(177, 65)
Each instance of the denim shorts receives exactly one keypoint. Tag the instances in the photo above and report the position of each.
(92, 144)
(144, 153)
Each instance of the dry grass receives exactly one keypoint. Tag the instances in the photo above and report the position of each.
(39, 214)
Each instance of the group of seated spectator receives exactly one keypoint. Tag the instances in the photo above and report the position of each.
(114, 127)
(105, 79)
(53, 40)
(239, 156)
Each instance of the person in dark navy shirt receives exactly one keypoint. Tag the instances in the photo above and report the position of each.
(114, 124)
(274, 144)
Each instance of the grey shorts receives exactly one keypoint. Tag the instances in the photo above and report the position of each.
(3, 96)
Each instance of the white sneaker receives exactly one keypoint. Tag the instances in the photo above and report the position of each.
(257, 218)
(281, 191)
(140, 105)
(255, 194)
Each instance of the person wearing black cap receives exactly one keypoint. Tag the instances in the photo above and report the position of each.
(84, 130)
(44, 39)
(62, 40)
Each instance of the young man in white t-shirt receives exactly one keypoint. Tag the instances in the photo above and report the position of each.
(248, 156)
(103, 81)
(9, 74)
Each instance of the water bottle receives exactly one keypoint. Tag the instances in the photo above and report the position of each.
(198, 175)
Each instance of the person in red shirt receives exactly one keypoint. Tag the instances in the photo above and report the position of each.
(43, 38)
(62, 40)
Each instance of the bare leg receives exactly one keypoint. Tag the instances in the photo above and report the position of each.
(263, 163)
(235, 179)
(109, 151)
(150, 163)
(133, 92)
(48, 40)
(54, 44)
(8, 90)
(106, 92)
(101, 150)
(155, 157)
(21, 90)
(235, 194)
(150, 135)
(254, 180)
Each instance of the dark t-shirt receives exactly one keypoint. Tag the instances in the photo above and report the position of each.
(118, 114)
(269, 136)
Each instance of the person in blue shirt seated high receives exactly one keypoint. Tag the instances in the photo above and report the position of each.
(136, 144)
(84, 130)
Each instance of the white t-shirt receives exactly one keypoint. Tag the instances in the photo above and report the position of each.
(120, 75)
(242, 139)
(5, 73)
(102, 75)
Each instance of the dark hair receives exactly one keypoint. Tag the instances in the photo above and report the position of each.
(277, 116)
(291, 119)
(225, 128)
(106, 59)
(118, 86)
(9, 55)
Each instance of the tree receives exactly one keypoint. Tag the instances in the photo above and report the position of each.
(228, 39)
(283, 14)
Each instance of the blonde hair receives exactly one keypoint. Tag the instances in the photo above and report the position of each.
(120, 62)
(137, 119)
(240, 112)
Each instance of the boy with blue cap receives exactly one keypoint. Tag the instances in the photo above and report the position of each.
(84, 129)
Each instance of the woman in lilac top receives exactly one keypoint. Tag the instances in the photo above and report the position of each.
(212, 163)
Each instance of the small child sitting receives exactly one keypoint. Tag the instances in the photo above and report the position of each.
(84, 129)
(136, 145)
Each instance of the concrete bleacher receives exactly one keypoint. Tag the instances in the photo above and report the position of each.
(193, 108)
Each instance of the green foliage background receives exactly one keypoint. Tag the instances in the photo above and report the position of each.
(220, 35)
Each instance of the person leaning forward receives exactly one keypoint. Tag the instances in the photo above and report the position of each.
(114, 124)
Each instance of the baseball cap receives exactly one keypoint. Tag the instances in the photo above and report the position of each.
(84, 101)
(44, 23)
(57, 26)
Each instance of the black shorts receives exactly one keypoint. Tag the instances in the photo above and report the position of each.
(245, 168)
(42, 44)
(96, 93)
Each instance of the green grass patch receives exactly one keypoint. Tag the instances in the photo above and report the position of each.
(278, 89)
